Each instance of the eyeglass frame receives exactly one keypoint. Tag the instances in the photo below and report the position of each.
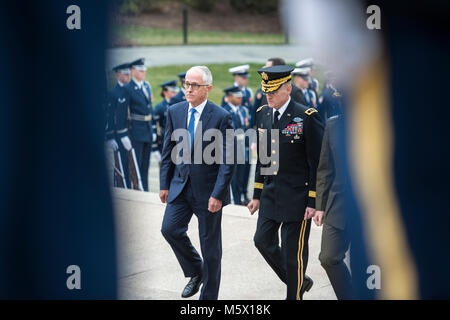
(194, 86)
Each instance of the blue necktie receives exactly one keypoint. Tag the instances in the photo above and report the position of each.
(191, 127)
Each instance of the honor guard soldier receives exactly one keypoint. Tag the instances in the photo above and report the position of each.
(284, 189)
(117, 117)
(313, 82)
(239, 116)
(240, 74)
(330, 102)
(169, 90)
(141, 115)
(301, 81)
(180, 96)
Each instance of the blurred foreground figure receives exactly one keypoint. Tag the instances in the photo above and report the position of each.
(392, 148)
(56, 218)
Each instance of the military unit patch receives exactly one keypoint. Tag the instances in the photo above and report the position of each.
(310, 111)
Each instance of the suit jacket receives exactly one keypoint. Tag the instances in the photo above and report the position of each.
(206, 179)
(330, 180)
(139, 104)
(285, 193)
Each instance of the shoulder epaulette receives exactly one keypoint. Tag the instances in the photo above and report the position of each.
(259, 109)
(310, 111)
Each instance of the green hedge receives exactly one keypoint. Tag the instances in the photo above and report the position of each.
(136, 7)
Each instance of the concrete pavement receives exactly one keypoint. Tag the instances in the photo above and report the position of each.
(148, 268)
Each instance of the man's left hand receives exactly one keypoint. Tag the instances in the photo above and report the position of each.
(214, 204)
(309, 213)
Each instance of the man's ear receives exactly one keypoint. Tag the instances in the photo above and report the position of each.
(289, 87)
(210, 88)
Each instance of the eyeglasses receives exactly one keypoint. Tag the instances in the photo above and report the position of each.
(194, 86)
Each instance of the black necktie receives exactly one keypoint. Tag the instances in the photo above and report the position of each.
(275, 118)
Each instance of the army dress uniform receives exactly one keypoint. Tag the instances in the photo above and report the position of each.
(285, 193)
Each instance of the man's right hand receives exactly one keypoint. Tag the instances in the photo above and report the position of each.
(318, 218)
(163, 194)
(253, 206)
(126, 142)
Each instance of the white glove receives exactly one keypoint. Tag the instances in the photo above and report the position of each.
(157, 155)
(154, 137)
(112, 144)
(126, 142)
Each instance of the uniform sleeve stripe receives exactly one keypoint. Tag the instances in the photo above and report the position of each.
(258, 185)
(312, 194)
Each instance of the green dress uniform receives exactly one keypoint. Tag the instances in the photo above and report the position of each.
(330, 186)
(285, 193)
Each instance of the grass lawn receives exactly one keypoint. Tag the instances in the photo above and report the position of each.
(145, 36)
(221, 78)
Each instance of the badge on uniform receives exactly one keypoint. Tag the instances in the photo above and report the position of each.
(293, 128)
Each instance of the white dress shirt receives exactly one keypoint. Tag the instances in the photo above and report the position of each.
(282, 109)
(197, 115)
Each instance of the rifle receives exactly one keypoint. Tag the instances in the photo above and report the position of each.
(135, 176)
(119, 177)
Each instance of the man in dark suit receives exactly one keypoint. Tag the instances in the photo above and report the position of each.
(330, 210)
(284, 189)
(196, 187)
(143, 133)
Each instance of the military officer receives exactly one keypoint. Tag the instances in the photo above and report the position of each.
(233, 105)
(260, 96)
(313, 82)
(284, 189)
(301, 81)
(117, 117)
(142, 133)
(180, 96)
(330, 101)
(169, 90)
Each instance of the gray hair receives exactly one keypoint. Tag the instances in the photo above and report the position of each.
(207, 76)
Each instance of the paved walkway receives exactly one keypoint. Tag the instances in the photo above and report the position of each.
(148, 268)
(205, 54)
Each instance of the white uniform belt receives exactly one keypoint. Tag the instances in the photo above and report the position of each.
(140, 117)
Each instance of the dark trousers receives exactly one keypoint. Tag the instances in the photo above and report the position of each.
(174, 227)
(335, 242)
(291, 259)
(236, 183)
(244, 181)
(125, 163)
(143, 151)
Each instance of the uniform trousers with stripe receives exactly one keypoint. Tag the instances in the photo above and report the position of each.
(289, 261)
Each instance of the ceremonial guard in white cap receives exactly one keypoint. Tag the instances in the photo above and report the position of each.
(142, 130)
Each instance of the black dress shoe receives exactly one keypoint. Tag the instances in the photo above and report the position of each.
(306, 286)
(192, 287)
